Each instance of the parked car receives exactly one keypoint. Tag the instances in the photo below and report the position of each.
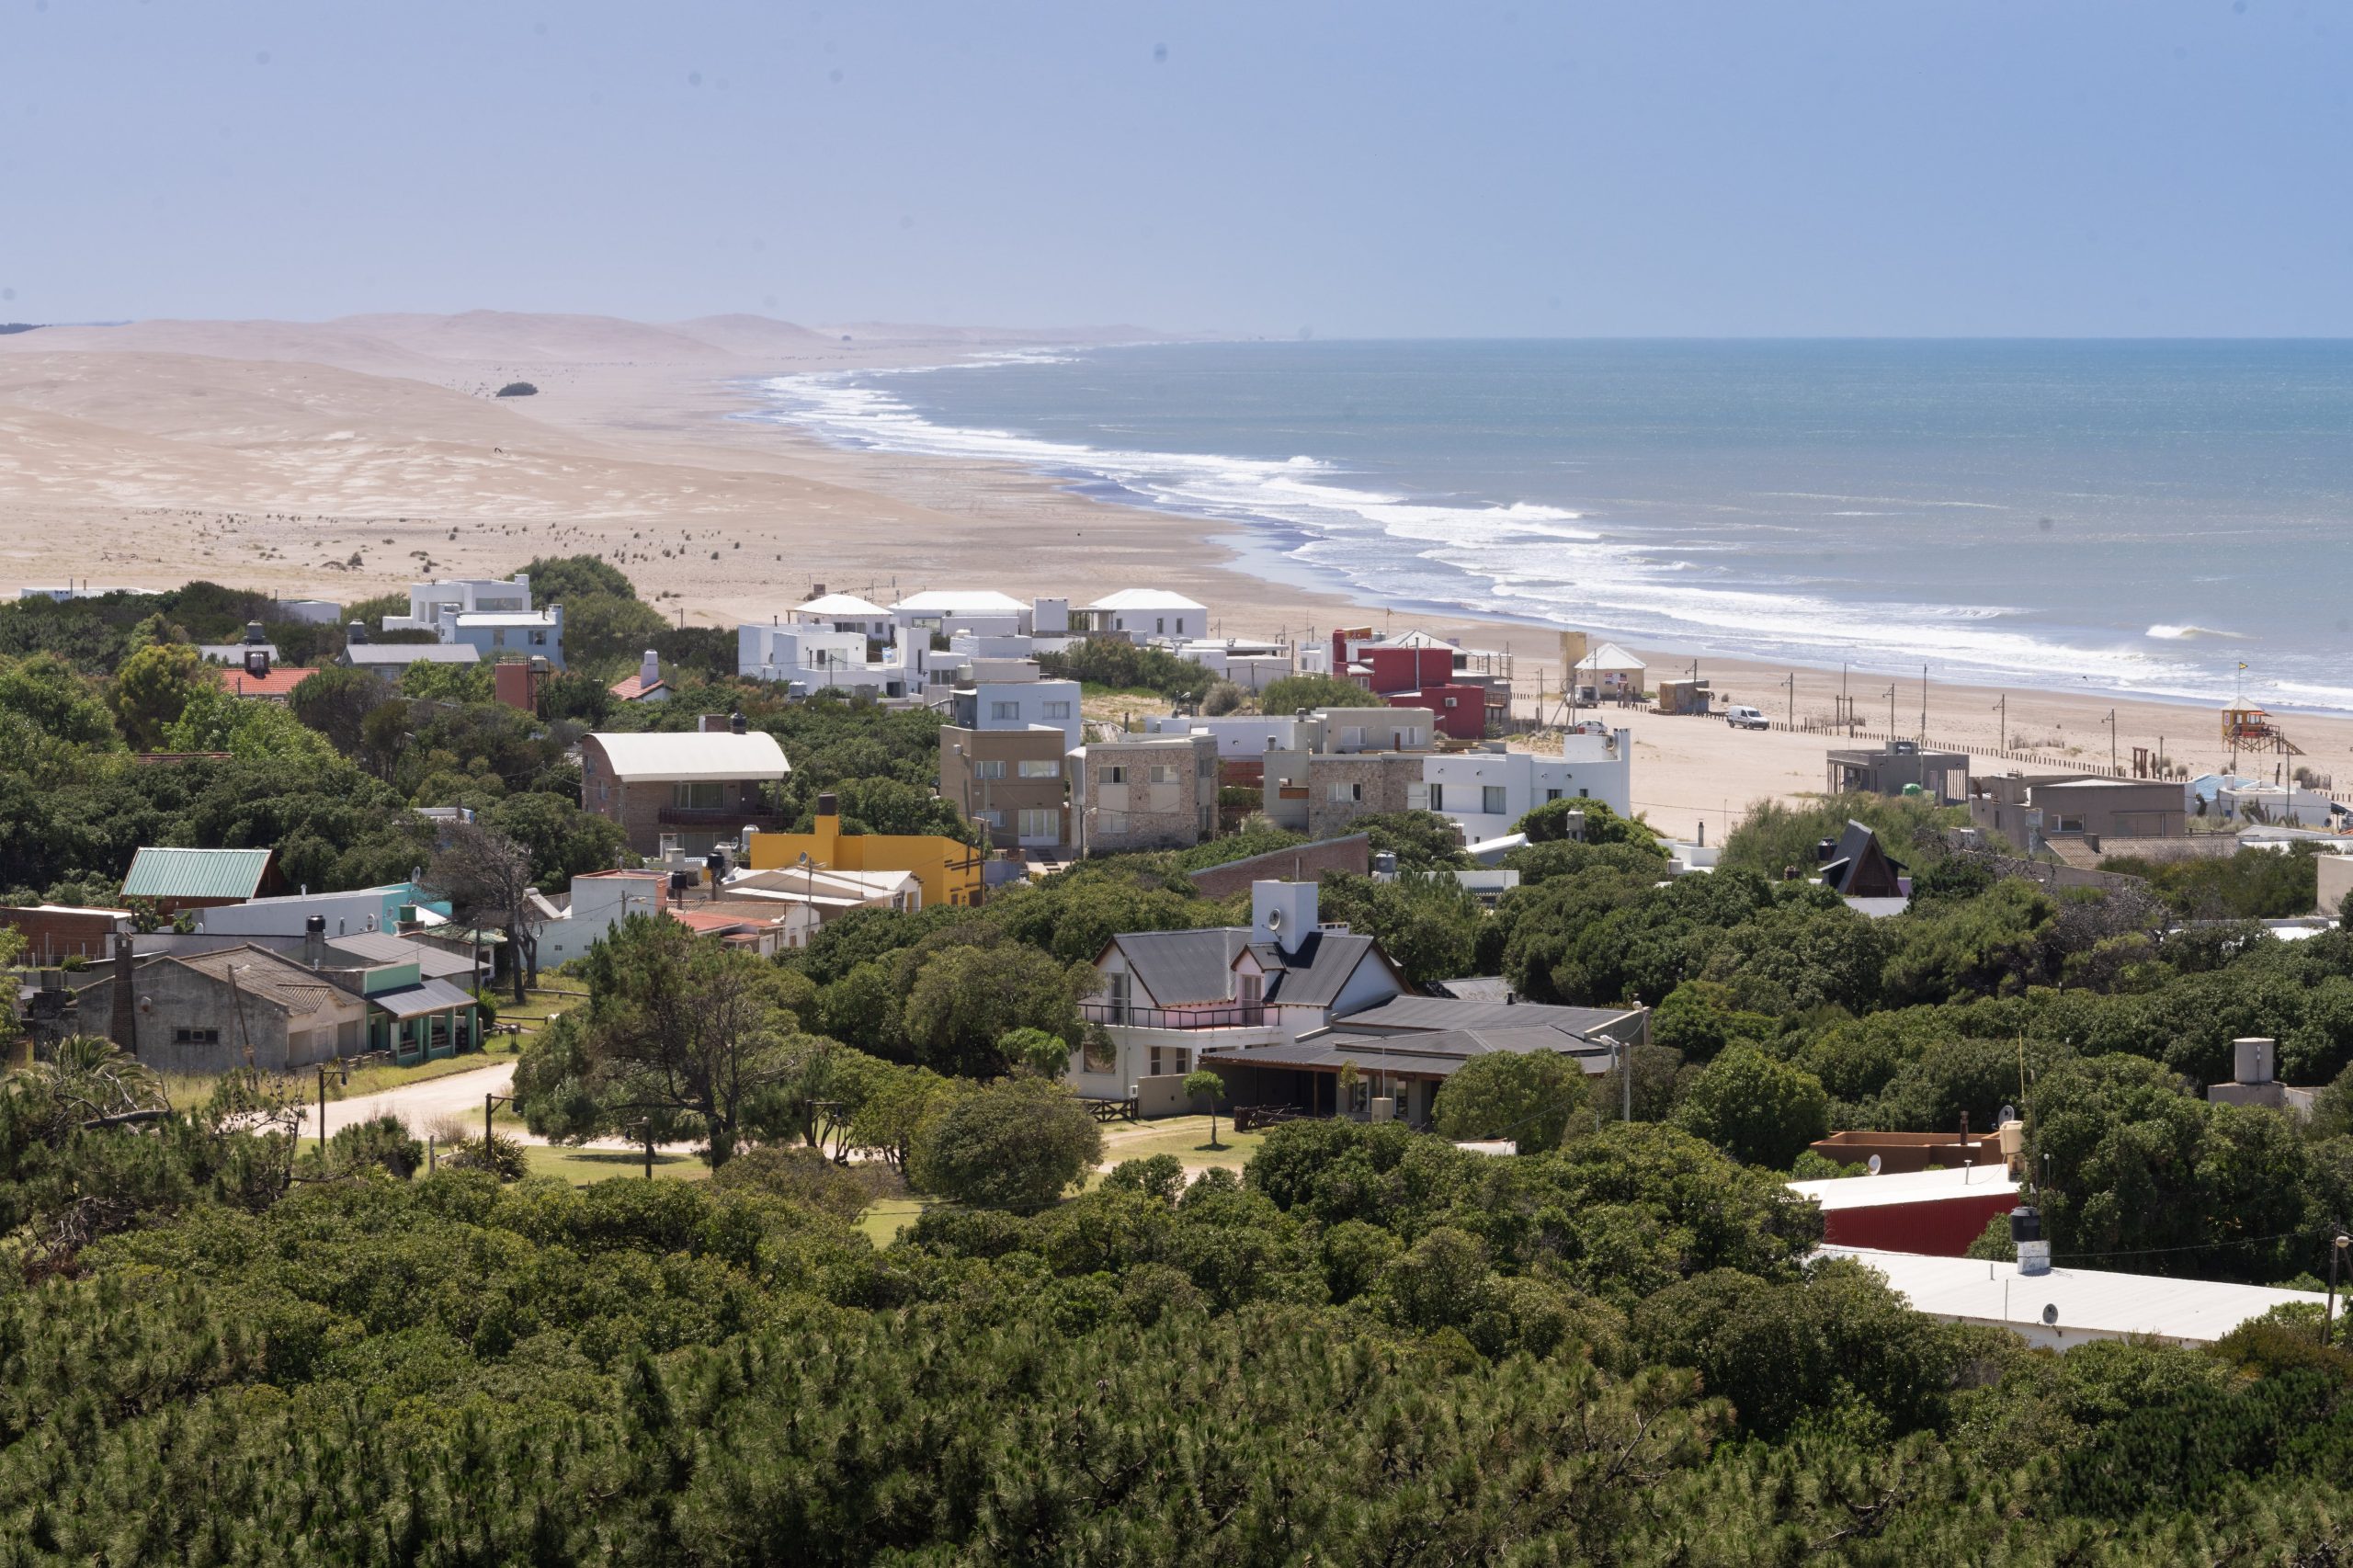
(1741, 717)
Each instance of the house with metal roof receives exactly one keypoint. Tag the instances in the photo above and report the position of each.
(696, 788)
(232, 1007)
(1145, 615)
(1854, 867)
(1282, 1008)
(200, 879)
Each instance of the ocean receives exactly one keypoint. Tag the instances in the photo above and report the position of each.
(2132, 517)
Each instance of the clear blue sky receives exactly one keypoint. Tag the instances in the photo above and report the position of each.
(1645, 166)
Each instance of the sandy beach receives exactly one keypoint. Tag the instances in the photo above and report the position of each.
(275, 454)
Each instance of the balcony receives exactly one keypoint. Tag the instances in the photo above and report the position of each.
(723, 816)
(1239, 1016)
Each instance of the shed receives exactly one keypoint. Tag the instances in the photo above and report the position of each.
(197, 878)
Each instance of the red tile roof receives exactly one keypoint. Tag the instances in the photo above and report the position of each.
(634, 689)
(279, 683)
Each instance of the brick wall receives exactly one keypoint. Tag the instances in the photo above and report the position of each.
(1302, 863)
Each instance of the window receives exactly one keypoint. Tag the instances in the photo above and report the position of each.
(1180, 626)
(1112, 822)
(1005, 710)
(1249, 989)
(195, 1037)
(994, 818)
(1437, 796)
(2063, 824)
(1551, 795)
(989, 767)
(538, 636)
(1115, 772)
(1160, 626)
(1346, 791)
(699, 797)
(1035, 823)
(1098, 1054)
(498, 637)
(1449, 702)
(1491, 800)
(1041, 767)
(1162, 774)
(1057, 709)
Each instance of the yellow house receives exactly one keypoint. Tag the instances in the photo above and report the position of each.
(949, 872)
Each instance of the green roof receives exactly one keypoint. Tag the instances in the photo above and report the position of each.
(194, 873)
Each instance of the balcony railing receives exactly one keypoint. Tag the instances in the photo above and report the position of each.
(1240, 1016)
(721, 816)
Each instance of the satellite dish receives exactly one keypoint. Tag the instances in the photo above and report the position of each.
(2050, 1315)
(2009, 1113)
(1872, 1164)
(1274, 920)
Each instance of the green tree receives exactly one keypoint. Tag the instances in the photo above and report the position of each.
(1757, 1109)
(152, 689)
(678, 1028)
(964, 999)
(1293, 693)
(1530, 1097)
(561, 840)
(45, 692)
(1015, 1144)
(1035, 1051)
(1548, 824)
(336, 700)
(1201, 1085)
(567, 579)
(1422, 841)
(604, 632)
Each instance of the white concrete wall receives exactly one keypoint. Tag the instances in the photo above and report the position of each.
(1527, 779)
(1033, 703)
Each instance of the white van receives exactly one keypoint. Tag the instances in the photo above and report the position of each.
(1746, 718)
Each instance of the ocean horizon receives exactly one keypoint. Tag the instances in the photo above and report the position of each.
(2136, 517)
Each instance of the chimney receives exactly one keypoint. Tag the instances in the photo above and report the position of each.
(315, 940)
(649, 669)
(257, 662)
(254, 632)
(356, 632)
(2252, 1058)
(1282, 913)
(735, 722)
(711, 723)
(1823, 850)
(829, 804)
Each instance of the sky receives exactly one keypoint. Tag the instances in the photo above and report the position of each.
(1449, 168)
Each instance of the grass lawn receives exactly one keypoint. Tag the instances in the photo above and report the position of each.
(1187, 1137)
(581, 1167)
(885, 1217)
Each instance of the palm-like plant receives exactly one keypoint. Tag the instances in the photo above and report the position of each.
(88, 1078)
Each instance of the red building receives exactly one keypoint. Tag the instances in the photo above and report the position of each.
(1934, 1212)
(1413, 677)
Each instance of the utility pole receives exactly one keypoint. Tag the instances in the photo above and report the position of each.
(323, 1110)
(1791, 682)
(1924, 708)
(2111, 722)
(2003, 707)
(1891, 715)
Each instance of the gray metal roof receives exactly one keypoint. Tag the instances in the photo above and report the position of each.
(1313, 976)
(1437, 1054)
(403, 654)
(382, 947)
(427, 997)
(263, 975)
(1425, 1013)
(194, 873)
(1181, 967)
(1475, 988)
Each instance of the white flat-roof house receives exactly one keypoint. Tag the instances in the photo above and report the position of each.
(532, 634)
(463, 595)
(1489, 789)
(950, 609)
(1009, 694)
(1146, 615)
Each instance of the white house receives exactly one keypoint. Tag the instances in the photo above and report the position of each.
(816, 654)
(1489, 789)
(1008, 694)
(599, 901)
(946, 609)
(526, 632)
(1165, 996)
(1248, 662)
(1147, 615)
(845, 612)
(461, 595)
